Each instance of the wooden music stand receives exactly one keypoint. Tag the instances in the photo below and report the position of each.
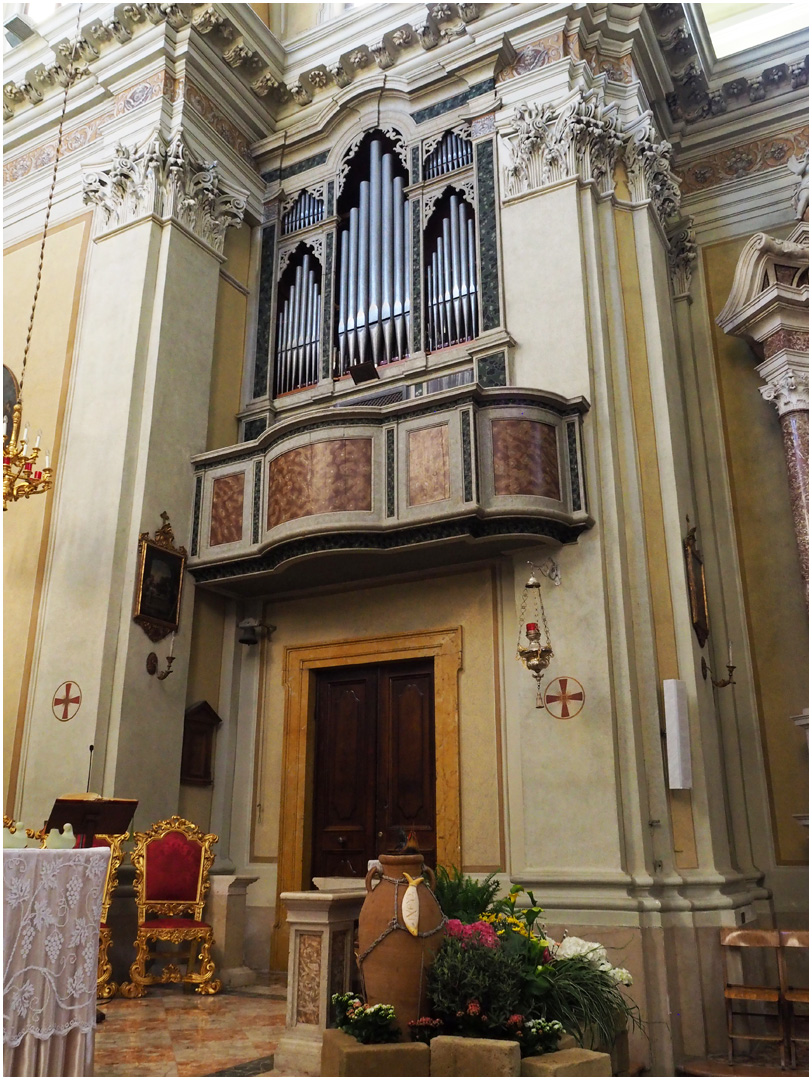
(91, 816)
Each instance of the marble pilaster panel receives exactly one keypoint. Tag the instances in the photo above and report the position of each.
(228, 493)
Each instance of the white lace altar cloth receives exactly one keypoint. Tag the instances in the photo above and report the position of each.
(51, 913)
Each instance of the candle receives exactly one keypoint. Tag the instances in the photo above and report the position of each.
(5, 426)
(47, 459)
(39, 436)
(532, 626)
(37, 475)
(172, 645)
(730, 654)
(25, 433)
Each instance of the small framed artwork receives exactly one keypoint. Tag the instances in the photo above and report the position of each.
(159, 582)
(695, 572)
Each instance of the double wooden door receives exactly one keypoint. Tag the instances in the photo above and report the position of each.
(374, 778)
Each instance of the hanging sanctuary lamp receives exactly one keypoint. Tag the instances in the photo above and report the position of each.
(534, 655)
(21, 475)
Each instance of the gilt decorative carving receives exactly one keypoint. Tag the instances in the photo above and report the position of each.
(165, 179)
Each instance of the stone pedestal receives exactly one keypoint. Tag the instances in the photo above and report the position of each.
(320, 964)
(225, 911)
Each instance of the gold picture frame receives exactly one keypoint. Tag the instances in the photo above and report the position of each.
(695, 573)
(159, 582)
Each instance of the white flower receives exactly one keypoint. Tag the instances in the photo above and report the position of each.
(572, 947)
(621, 975)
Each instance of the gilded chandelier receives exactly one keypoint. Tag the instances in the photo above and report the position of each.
(21, 477)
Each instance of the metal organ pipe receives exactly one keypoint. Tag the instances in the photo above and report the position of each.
(451, 285)
(374, 274)
(298, 329)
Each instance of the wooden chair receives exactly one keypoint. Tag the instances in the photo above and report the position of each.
(172, 863)
(732, 938)
(792, 996)
(105, 988)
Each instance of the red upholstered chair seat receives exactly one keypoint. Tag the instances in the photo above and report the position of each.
(171, 923)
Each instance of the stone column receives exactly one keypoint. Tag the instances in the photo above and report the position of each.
(786, 370)
(769, 307)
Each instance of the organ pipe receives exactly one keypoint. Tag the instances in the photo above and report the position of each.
(298, 330)
(451, 153)
(374, 269)
(451, 286)
(307, 210)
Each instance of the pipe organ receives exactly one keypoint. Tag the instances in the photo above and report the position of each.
(374, 303)
(298, 327)
(307, 210)
(451, 283)
(451, 153)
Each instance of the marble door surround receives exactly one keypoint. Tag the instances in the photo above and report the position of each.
(300, 666)
(769, 307)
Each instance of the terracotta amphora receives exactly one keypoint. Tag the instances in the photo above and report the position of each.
(394, 961)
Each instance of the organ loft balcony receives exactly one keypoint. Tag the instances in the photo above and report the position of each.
(370, 487)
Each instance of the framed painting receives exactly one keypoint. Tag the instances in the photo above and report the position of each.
(695, 573)
(159, 582)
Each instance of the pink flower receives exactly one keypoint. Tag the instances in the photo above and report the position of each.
(516, 1019)
(454, 928)
(474, 1008)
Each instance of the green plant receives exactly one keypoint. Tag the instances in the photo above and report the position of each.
(367, 1023)
(530, 915)
(586, 1000)
(463, 897)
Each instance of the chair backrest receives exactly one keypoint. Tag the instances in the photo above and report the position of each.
(114, 842)
(172, 863)
(749, 939)
(794, 939)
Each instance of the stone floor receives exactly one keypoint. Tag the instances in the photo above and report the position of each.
(171, 1032)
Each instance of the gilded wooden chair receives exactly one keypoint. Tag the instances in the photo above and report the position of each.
(105, 988)
(792, 995)
(733, 939)
(172, 863)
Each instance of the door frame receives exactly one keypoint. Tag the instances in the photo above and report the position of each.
(298, 746)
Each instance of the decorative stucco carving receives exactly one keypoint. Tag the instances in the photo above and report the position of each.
(682, 255)
(166, 180)
(648, 165)
(430, 144)
(207, 20)
(431, 198)
(581, 137)
(313, 244)
(788, 389)
(800, 196)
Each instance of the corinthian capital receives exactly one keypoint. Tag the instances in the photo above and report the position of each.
(682, 255)
(166, 180)
(648, 165)
(788, 390)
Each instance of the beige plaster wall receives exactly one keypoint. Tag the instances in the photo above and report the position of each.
(229, 341)
(771, 578)
(463, 599)
(26, 524)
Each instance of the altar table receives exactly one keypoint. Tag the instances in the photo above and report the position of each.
(51, 913)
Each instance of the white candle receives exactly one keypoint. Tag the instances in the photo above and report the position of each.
(172, 645)
(36, 444)
(5, 426)
(25, 433)
(730, 654)
(47, 459)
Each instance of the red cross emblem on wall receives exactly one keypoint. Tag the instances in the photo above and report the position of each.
(66, 701)
(564, 698)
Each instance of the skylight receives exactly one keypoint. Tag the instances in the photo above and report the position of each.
(736, 27)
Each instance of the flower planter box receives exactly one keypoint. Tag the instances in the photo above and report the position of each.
(574, 1061)
(452, 1055)
(343, 1055)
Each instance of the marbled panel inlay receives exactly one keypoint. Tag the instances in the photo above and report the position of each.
(227, 497)
(257, 502)
(525, 458)
(794, 340)
(390, 472)
(429, 473)
(196, 514)
(321, 478)
(266, 284)
(308, 979)
(795, 429)
(488, 253)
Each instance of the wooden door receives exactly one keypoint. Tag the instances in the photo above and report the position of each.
(374, 764)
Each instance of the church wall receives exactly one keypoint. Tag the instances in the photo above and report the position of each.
(229, 340)
(45, 390)
(773, 590)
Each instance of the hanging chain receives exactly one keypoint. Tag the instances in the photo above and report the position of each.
(71, 76)
(534, 570)
(544, 620)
